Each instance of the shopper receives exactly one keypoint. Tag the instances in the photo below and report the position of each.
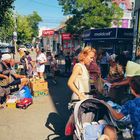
(131, 107)
(79, 79)
(40, 62)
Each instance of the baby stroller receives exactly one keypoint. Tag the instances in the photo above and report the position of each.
(92, 111)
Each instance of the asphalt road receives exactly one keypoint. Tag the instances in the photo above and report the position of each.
(45, 119)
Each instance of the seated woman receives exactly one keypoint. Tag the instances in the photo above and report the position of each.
(116, 72)
(7, 76)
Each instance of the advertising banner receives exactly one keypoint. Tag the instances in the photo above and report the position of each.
(47, 33)
(66, 36)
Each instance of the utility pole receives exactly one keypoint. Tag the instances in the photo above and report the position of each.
(15, 35)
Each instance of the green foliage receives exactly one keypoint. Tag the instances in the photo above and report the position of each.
(5, 6)
(24, 29)
(6, 21)
(7, 27)
(86, 14)
(27, 27)
(34, 20)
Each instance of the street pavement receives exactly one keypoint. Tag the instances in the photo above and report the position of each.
(45, 119)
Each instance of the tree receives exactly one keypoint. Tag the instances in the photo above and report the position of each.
(86, 14)
(24, 29)
(5, 6)
(7, 27)
(34, 20)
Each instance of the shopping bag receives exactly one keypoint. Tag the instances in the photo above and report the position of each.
(24, 93)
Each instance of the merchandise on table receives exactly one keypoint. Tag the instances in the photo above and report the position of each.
(11, 103)
(24, 103)
(40, 93)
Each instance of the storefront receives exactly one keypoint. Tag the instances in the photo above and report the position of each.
(113, 40)
(137, 28)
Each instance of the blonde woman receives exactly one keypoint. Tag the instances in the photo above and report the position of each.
(79, 79)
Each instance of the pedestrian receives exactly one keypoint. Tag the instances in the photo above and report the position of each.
(131, 107)
(104, 64)
(54, 68)
(40, 62)
(67, 63)
(95, 75)
(79, 79)
(48, 64)
(23, 61)
(30, 64)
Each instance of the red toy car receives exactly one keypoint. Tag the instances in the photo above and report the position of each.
(24, 103)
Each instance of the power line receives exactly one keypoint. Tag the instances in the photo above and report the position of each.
(45, 4)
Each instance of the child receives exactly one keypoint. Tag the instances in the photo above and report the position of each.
(131, 107)
(110, 133)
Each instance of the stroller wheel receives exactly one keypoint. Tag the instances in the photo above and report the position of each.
(75, 137)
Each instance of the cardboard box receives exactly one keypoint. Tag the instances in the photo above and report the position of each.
(38, 85)
(11, 103)
(40, 93)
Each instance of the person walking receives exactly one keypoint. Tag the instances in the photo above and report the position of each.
(79, 79)
(67, 63)
(30, 64)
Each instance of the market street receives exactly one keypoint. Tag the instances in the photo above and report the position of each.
(36, 121)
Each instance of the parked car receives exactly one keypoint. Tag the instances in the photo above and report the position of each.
(28, 45)
(6, 48)
(24, 103)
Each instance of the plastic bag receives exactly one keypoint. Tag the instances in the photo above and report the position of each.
(92, 131)
(24, 93)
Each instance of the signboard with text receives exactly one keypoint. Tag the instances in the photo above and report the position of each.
(47, 33)
(66, 36)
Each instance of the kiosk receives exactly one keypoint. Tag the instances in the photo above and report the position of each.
(112, 40)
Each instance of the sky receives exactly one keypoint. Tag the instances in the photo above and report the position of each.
(49, 10)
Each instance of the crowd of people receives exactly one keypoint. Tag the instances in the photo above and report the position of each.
(120, 72)
(90, 70)
(15, 75)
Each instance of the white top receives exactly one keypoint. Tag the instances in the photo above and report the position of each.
(82, 81)
(41, 58)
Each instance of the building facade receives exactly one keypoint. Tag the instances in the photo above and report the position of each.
(136, 27)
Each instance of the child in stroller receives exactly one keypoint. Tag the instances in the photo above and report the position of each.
(91, 116)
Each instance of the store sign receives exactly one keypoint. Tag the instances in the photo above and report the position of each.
(47, 32)
(66, 36)
(109, 33)
(103, 33)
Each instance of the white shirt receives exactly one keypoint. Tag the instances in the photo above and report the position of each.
(40, 59)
